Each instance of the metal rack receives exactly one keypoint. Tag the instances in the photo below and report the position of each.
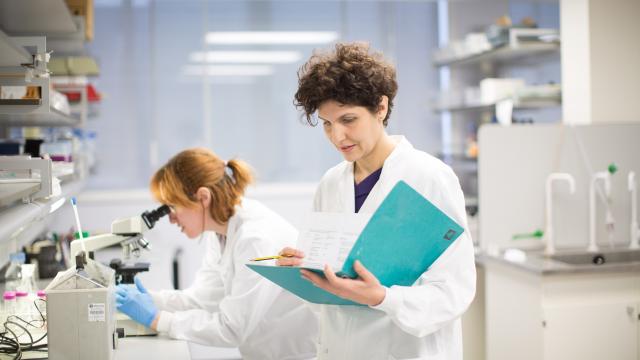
(28, 198)
(520, 104)
(21, 223)
(516, 48)
(29, 204)
(29, 112)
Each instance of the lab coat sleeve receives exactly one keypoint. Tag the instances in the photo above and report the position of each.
(446, 290)
(205, 292)
(240, 311)
(317, 199)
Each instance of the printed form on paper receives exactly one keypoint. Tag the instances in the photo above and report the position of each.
(327, 238)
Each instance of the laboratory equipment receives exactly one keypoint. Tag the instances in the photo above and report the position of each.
(13, 275)
(31, 178)
(635, 229)
(81, 310)
(22, 304)
(28, 283)
(128, 232)
(605, 177)
(41, 303)
(8, 306)
(549, 248)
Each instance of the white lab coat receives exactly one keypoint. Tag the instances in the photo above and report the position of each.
(413, 322)
(229, 305)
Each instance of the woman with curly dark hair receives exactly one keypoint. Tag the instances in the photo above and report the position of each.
(350, 91)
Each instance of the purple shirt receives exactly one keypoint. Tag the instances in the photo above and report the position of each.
(363, 189)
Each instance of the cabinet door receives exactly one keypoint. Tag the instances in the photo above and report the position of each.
(591, 331)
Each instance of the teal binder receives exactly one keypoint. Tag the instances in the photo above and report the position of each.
(405, 235)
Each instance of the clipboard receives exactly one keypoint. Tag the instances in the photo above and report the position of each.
(403, 238)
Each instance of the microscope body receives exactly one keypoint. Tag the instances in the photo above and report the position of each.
(128, 232)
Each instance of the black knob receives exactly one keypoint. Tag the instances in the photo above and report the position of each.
(598, 259)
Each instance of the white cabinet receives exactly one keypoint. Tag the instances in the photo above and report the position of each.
(473, 322)
(591, 331)
(558, 316)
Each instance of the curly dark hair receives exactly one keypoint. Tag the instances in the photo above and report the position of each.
(349, 75)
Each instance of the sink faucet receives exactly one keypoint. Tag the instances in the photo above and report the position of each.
(635, 229)
(549, 248)
(606, 179)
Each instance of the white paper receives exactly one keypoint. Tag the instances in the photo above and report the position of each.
(327, 238)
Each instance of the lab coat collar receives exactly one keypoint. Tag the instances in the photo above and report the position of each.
(347, 185)
(235, 222)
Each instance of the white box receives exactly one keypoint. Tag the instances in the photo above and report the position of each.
(493, 90)
(81, 322)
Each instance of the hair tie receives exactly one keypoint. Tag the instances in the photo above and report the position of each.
(228, 170)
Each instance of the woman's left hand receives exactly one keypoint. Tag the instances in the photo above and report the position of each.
(366, 289)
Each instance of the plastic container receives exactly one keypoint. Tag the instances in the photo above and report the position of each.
(8, 307)
(41, 304)
(13, 275)
(22, 304)
(28, 283)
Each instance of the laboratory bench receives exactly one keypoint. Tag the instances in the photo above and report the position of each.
(564, 262)
(157, 348)
(571, 305)
(152, 347)
(137, 348)
(161, 347)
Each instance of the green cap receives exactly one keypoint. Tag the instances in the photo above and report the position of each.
(76, 235)
(536, 234)
(612, 168)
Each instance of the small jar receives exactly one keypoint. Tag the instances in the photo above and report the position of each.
(8, 305)
(22, 304)
(41, 303)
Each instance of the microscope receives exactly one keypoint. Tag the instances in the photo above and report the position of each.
(127, 232)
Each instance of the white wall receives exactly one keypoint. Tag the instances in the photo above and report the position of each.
(615, 60)
(600, 57)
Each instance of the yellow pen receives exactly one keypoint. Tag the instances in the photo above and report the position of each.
(270, 257)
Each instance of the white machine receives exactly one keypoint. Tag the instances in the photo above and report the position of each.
(81, 322)
(127, 232)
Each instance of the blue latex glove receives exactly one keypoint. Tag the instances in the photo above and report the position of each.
(136, 303)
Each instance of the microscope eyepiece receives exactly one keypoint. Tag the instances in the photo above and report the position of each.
(151, 217)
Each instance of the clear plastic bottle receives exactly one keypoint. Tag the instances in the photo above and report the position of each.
(28, 282)
(22, 305)
(8, 307)
(41, 304)
(13, 275)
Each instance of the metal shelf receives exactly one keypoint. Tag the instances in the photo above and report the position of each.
(522, 104)
(12, 54)
(20, 101)
(36, 17)
(501, 54)
(53, 118)
(34, 114)
(10, 192)
(22, 223)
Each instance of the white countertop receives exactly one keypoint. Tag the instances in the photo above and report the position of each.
(161, 347)
(151, 347)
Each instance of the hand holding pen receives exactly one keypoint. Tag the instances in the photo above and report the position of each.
(290, 257)
(287, 257)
